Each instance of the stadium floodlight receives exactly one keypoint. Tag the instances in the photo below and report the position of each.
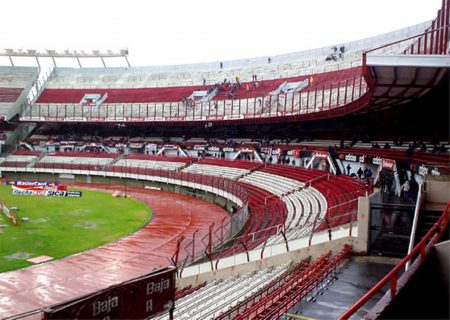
(50, 52)
(31, 51)
(9, 51)
(96, 52)
(124, 51)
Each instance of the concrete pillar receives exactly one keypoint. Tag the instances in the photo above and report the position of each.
(361, 245)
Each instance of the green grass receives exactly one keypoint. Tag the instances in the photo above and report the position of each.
(61, 226)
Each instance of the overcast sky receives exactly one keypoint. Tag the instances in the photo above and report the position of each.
(182, 31)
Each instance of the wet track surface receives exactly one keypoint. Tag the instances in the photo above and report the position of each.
(174, 215)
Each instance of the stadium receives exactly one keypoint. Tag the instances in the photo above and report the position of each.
(305, 185)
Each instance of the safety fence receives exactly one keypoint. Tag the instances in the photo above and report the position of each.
(416, 258)
(321, 100)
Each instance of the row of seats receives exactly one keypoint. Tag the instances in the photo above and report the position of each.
(324, 98)
(176, 94)
(10, 94)
(213, 170)
(289, 65)
(20, 158)
(252, 295)
(274, 303)
(139, 156)
(217, 296)
(149, 164)
(278, 195)
(304, 206)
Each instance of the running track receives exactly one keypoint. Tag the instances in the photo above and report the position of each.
(174, 215)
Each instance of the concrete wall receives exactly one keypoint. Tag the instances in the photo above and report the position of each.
(361, 245)
(443, 261)
(437, 189)
(314, 251)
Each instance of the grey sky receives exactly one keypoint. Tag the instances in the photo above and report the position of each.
(175, 32)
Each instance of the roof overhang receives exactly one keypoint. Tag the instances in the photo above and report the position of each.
(402, 78)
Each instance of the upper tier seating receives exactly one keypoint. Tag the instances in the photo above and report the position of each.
(20, 158)
(139, 156)
(13, 81)
(9, 94)
(212, 170)
(16, 78)
(280, 66)
(176, 94)
(77, 161)
(149, 164)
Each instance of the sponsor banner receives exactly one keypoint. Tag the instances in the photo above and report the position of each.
(377, 161)
(139, 298)
(388, 164)
(426, 170)
(171, 147)
(276, 151)
(214, 149)
(355, 158)
(74, 119)
(46, 191)
(40, 187)
(31, 183)
(267, 150)
(228, 149)
(321, 155)
(199, 147)
(136, 145)
(294, 153)
(74, 194)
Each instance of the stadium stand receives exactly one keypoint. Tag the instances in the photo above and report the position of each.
(15, 83)
(286, 203)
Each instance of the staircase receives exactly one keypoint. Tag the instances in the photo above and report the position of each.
(427, 218)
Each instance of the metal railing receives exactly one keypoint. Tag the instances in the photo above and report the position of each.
(417, 255)
(336, 98)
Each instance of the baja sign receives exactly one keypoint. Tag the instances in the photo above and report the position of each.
(139, 298)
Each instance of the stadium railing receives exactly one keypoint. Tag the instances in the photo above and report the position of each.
(416, 257)
(325, 100)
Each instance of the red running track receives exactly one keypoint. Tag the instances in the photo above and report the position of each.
(174, 215)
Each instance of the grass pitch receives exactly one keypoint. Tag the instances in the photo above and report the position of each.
(61, 226)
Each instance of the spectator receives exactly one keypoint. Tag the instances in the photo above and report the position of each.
(423, 147)
(349, 168)
(367, 173)
(387, 146)
(238, 81)
(360, 173)
(405, 188)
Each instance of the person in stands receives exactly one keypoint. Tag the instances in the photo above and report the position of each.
(405, 189)
(359, 173)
